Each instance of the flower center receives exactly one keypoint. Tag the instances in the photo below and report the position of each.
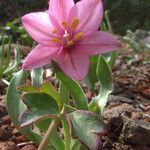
(69, 38)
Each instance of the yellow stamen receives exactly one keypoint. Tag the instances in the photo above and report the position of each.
(74, 23)
(54, 31)
(78, 36)
(70, 43)
(56, 40)
(64, 24)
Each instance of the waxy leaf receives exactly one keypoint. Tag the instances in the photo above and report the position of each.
(87, 127)
(104, 75)
(91, 77)
(46, 88)
(28, 88)
(15, 106)
(40, 106)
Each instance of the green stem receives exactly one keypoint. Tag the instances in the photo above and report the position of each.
(66, 134)
(113, 56)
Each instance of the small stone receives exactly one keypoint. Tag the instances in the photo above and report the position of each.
(136, 132)
(29, 147)
(146, 93)
(89, 95)
(6, 120)
(113, 119)
(147, 108)
(8, 146)
(5, 133)
(136, 115)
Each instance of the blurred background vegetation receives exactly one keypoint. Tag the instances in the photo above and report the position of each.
(124, 14)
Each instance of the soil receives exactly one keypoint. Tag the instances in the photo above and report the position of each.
(127, 115)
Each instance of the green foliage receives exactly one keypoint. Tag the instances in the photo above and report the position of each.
(104, 75)
(91, 77)
(86, 126)
(37, 110)
(128, 14)
(17, 31)
(15, 107)
(7, 66)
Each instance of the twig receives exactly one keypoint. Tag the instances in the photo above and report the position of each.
(48, 133)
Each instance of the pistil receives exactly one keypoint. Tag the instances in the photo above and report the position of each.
(70, 43)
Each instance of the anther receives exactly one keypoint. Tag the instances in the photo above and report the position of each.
(74, 23)
(78, 36)
(64, 24)
(56, 40)
(54, 31)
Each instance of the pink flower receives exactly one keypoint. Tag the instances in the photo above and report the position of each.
(68, 33)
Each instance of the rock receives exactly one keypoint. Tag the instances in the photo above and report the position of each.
(29, 147)
(116, 112)
(135, 132)
(2, 111)
(136, 115)
(113, 118)
(119, 146)
(5, 133)
(141, 37)
(8, 146)
(115, 98)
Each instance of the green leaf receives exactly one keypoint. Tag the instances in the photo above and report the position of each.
(28, 88)
(15, 106)
(91, 77)
(64, 93)
(74, 88)
(9, 51)
(108, 21)
(48, 88)
(104, 75)
(87, 127)
(16, 63)
(40, 106)
(2, 54)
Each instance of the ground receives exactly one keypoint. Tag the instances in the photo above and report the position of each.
(127, 115)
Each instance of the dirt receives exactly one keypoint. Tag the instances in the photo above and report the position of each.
(127, 115)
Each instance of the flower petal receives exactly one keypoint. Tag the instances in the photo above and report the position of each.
(39, 27)
(90, 14)
(60, 9)
(74, 63)
(40, 56)
(99, 42)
